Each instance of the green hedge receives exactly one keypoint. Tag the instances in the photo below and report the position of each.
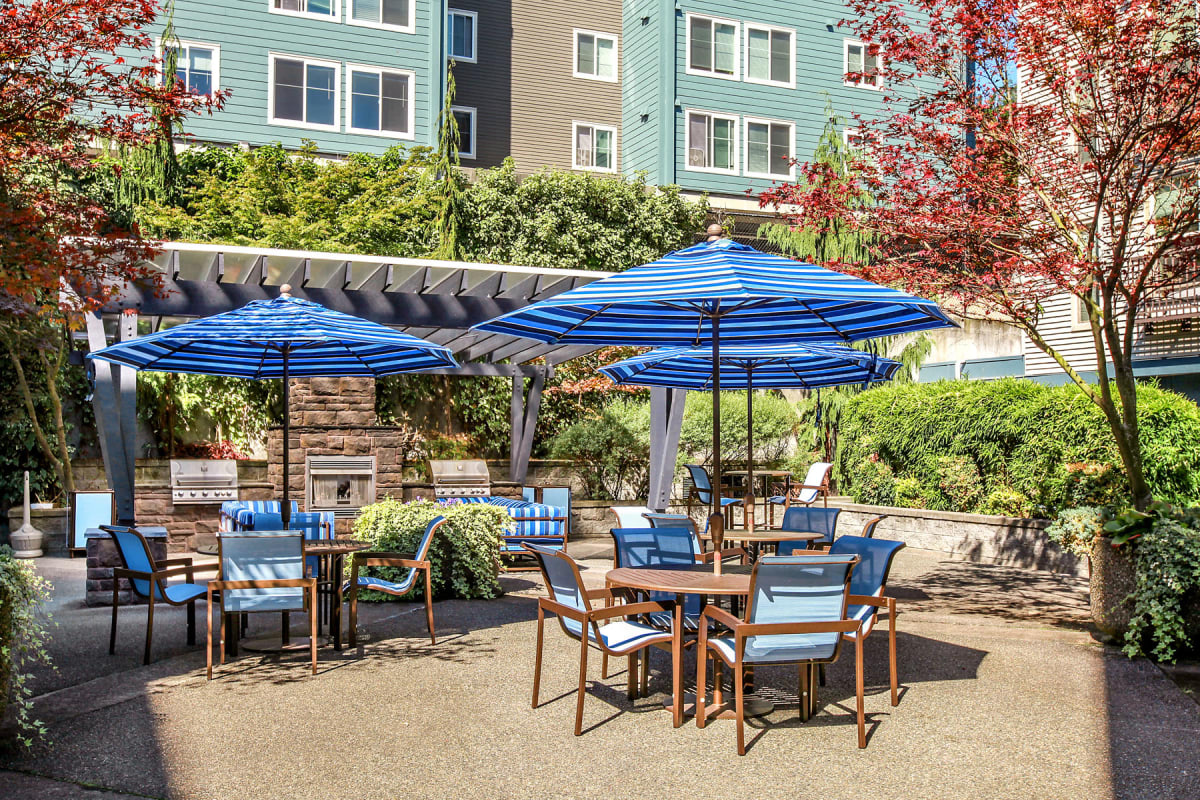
(1010, 446)
(465, 553)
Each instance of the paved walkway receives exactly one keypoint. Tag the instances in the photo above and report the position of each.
(1005, 695)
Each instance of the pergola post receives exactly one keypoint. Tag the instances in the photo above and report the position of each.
(666, 419)
(524, 413)
(114, 401)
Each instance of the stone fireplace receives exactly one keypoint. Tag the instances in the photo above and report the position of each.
(341, 484)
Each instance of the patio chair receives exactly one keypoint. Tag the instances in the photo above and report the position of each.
(657, 520)
(263, 572)
(870, 525)
(701, 491)
(416, 563)
(630, 516)
(796, 614)
(806, 519)
(312, 525)
(139, 566)
(607, 629)
(868, 585)
(816, 485)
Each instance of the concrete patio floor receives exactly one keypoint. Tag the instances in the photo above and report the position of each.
(1004, 695)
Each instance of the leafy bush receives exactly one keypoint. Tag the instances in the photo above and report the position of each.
(1075, 529)
(465, 553)
(23, 638)
(1050, 444)
(959, 480)
(877, 484)
(1005, 501)
(907, 493)
(610, 453)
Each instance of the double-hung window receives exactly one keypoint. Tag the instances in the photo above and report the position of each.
(861, 65)
(769, 148)
(196, 65)
(712, 47)
(595, 55)
(595, 147)
(304, 92)
(770, 55)
(391, 14)
(380, 101)
(712, 142)
(464, 116)
(461, 35)
(322, 9)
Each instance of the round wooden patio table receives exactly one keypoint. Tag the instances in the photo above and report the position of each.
(761, 536)
(681, 581)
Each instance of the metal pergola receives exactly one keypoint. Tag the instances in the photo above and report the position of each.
(435, 300)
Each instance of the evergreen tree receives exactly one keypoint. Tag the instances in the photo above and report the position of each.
(448, 190)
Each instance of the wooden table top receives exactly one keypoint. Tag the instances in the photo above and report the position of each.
(775, 473)
(767, 535)
(684, 580)
(334, 547)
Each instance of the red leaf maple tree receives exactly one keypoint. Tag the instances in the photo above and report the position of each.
(1027, 150)
(74, 74)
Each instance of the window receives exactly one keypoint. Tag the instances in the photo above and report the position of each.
(769, 148)
(595, 147)
(862, 60)
(196, 65)
(460, 35)
(595, 55)
(711, 142)
(380, 101)
(391, 14)
(304, 93)
(770, 55)
(712, 47)
(854, 138)
(465, 117)
(323, 9)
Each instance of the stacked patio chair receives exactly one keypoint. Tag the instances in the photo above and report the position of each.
(815, 486)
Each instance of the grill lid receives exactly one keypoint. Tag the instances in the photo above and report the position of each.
(460, 472)
(195, 472)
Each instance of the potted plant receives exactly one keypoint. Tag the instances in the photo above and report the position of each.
(1081, 531)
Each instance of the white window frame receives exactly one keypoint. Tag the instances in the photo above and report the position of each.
(335, 8)
(412, 87)
(575, 126)
(846, 43)
(791, 173)
(411, 27)
(852, 133)
(736, 145)
(337, 92)
(474, 112)
(737, 48)
(160, 50)
(575, 55)
(754, 26)
(474, 59)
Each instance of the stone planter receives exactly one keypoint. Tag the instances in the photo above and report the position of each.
(1112, 581)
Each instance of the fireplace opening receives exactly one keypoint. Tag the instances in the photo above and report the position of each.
(341, 484)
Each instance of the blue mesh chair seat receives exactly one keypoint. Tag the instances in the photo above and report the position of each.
(806, 519)
(414, 565)
(149, 577)
(868, 587)
(263, 571)
(796, 614)
(613, 630)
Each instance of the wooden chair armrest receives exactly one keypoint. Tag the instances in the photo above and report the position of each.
(360, 555)
(728, 552)
(179, 561)
(720, 615)
(820, 488)
(122, 572)
(393, 561)
(561, 610)
(269, 583)
(628, 610)
(607, 593)
(772, 628)
(869, 600)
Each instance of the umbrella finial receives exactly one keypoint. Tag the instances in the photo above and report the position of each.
(285, 290)
(715, 231)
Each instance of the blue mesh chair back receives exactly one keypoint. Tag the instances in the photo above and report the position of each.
(799, 588)
(657, 548)
(870, 576)
(562, 582)
(135, 555)
(807, 519)
(701, 481)
(657, 520)
(308, 523)
(423, 546)
(259, 556)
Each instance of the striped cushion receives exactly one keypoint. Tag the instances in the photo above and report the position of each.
(524, 514)
(238, 515)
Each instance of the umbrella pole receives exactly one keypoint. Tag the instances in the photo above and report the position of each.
(285, 508)
(749, 501)
(715, 520)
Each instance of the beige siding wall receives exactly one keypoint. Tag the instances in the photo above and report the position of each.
(523, 84)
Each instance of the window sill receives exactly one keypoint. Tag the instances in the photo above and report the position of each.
(719, 76)
(775, 84)
(382, 26)
(381, 134)
(713, 171)
(311, 126)
(587, 77)
(303, 15)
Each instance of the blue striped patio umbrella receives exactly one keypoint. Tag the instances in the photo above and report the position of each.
(719, 293)
(282, 338)
(777, 366)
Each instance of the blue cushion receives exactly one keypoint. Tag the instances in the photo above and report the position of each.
(381, 585)
(731, 501)
(621, 636)
(780, 648)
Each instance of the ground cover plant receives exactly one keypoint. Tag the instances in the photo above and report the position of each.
(23, 637)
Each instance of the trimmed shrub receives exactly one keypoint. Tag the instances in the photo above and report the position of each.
(465, 553)
(1049, 444)
(1075, 530)
(609, 453)
(23, 638)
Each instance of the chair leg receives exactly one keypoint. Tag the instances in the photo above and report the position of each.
(645, 672)
(429, 608)
(221, 644)
(583, 654)
(287, 627)
(312, 625)
(537, 662)
(821, 674)
(802, 691)
(892, 651)
(858, 690)
(632, 672)
(191, 623)
(149, 625)
(812, 688)
(208, 636)
(739, 699)
(701, 686)
(112, 635)
(353, 616)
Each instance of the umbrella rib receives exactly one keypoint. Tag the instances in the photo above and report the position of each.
(583, 322)
(829, 324)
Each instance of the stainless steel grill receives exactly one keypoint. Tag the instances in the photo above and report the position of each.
(203, 481)
(461, 478)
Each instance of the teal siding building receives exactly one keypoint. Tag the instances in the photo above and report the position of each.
(349, 75)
